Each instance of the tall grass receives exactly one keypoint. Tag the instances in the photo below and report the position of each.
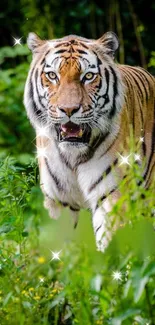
(80, 288)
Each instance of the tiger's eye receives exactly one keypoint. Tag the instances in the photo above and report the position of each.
(52, 75)
(89, 76)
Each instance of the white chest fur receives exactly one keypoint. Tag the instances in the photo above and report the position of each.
(76, 187)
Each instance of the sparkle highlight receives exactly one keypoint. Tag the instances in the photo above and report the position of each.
(42, 132)
(124, 160)
(117, 275)
(55, 255)
(137, 157)
(17, 41)
(141, 139)
(41, 152)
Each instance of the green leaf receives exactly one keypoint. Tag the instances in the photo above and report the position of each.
(7, 298)
(27, 304)
(127, 288)
(5, 228)
(139, 288)
(125, 315)
(149, 270)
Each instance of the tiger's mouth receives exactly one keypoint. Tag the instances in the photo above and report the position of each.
(71, 132)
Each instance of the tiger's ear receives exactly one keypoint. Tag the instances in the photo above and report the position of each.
(33, 42)
(110, 42)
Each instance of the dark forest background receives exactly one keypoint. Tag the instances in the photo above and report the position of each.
(132, 21)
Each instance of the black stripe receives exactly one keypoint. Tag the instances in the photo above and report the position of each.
(144, 70)
(149, 176)
(136, 82)
(64, 160)
(82, 158)
(152, 150)
(37, 90)
(105, 96)
(37, 111)
(62, 44)
(129, 85)
(54, 177)
(115, 89)
(68, 43)
(132, 108)
(84, 59)
(110, 146)
(139, 75)
(98, 140)
(99, 70)
(98, 228)
(107, 80)
(144, 147)
(86, 47)
(92, 66)
(143, 83)
(144, 73)
(92, 187)
(88, 155)
(74, 209)
(98, 87)
(81, 51)
(142, 120)
(60, 51)
(99, 62)
(105, 196)
(43, 60)
(65, 204)
(57, 57)
(47, 195)
(105, 173)
(94, 102)
(141, 111)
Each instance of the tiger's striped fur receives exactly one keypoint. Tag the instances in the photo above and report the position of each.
(75, 85)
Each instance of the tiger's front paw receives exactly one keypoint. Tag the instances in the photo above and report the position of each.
(53, 208)
(102, 231)
(103, 243)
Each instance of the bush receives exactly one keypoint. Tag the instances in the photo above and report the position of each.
(16, 134)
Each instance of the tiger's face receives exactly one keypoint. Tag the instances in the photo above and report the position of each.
(72, 76)
(76, 87)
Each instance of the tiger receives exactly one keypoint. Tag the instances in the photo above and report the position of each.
(82, 105)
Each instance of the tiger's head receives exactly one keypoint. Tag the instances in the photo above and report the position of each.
(74, 88)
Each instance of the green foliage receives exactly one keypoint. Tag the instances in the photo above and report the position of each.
(14, 126)
(8, 52)
(80, 287)
(152, 59)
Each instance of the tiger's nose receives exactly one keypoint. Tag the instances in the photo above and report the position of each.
(69, 111)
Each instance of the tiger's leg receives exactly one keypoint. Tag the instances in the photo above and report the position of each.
(53, 207)
(101, 226)
(75, 216)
